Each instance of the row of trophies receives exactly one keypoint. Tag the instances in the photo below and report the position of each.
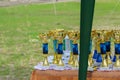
(104, 47)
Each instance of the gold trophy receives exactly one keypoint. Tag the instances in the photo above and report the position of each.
(75, 38)
(44, 37)
(90, 59)
(117, 45)
(108, 36)
(100, 47)
(70, 35)
(54, 38)
(103, 52)
(60, 36)
(97, 47)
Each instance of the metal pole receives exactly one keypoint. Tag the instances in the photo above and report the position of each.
(87, 11)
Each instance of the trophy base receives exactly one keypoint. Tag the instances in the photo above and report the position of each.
(116, 68)
(90, 69)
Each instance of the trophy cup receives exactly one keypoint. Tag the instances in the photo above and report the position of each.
(75, 37)
(60, 36)
(117, 48)
(44, 38)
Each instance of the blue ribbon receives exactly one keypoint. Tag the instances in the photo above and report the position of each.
(99, 58)
(75, 49)
(55, 45)
(45, 48)
(107, 43)
(95, 54)
(117, 48)
(114, 59)
(103, 48)
(60, 48)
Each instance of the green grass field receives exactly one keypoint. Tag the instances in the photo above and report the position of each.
(21, 24)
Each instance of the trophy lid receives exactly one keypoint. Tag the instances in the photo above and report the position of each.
(108, 35)
(93, 34)
(70, 33)
(117, 36)
(44, 37)
(101, 35)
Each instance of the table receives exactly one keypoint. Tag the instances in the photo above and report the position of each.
(73, 75)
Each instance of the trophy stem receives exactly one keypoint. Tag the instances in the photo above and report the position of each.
(108, 58)
(71, 54)
(75, 62)
(60, 62)
(45, 62)
(90, 60)
(55, 60)
(117, 63)
(104, 61)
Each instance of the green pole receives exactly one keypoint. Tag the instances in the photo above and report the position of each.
(87, 11)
